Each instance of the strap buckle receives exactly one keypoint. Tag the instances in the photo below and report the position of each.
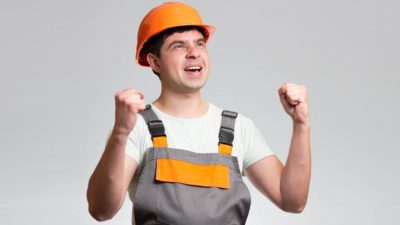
(156, 128)
(230, 114)
(226, 135)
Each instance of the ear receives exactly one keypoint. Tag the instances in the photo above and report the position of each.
(153, 61)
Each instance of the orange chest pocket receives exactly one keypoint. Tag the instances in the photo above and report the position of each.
(178, 171)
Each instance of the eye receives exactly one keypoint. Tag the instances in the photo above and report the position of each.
(201, 44)
(179, 46)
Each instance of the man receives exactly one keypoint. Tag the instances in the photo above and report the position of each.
(172, 41)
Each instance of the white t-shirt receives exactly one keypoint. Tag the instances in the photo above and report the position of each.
(201, 135)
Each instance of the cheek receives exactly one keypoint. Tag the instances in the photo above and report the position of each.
(177, 58)
(176, 64)
(207, 63)
(173, 60)
(205, 57)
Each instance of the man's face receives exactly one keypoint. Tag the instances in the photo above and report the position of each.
(183, 62)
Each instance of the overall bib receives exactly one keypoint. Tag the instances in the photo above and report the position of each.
(180, 187)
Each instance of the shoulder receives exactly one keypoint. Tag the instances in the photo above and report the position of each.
(140, 130)
(140, 121)
(245, 128)
(242, 122)
(214, 110)
(241, 119)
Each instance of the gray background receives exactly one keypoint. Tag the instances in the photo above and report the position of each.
(62, 62)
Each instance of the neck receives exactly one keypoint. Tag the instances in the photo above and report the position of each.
(187, 105)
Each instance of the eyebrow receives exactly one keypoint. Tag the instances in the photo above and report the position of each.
(183, 42)
(175, 42)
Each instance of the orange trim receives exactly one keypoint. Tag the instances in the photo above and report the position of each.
(160, 142)
(177, 171)
(225, 149)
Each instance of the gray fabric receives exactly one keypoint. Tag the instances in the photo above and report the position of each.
(227, 121)
(166, 203)
(159, 203)
(226, 132)
(148, 114)
(155, 125)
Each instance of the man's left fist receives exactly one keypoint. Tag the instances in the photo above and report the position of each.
(295, 102)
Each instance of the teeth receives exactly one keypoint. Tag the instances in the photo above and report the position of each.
(193, 68)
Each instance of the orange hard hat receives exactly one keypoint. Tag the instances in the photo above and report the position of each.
(165, 16)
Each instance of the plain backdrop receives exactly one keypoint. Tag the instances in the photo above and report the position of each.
(61, 62)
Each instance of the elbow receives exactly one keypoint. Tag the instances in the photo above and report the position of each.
(101, 209)
(100, 215)
(294, 208)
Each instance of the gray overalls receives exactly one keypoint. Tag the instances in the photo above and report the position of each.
(179, 187)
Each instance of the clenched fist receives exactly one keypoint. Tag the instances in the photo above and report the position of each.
(128, 103)
(294, 100)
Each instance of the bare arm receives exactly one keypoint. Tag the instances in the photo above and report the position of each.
(287, 186)
(110, 180)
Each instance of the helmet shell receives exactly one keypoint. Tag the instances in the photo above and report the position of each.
(165, 16)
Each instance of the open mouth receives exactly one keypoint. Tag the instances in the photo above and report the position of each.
(193, 68)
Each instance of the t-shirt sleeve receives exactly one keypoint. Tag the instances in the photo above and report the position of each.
(254, 144)
(137, 143)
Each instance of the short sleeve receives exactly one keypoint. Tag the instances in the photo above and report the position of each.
(255, 147)
(138, 140)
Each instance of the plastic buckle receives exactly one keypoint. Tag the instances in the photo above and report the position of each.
(148, 106)
(229, 114)
(156, 128)
(226, 135)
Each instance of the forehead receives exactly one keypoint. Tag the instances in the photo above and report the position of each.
(190, 35)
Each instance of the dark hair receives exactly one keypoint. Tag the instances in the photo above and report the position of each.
(153, 45)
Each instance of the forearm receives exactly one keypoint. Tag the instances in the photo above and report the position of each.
(297, 171)
(105, 190)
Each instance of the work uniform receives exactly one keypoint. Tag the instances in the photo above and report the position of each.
(175, 185)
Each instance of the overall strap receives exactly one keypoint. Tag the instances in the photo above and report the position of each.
(156, 128)
(226, 132)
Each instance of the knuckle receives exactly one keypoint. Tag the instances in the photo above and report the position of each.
(133, 108)
(127, 102)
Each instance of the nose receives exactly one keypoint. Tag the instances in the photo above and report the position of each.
(193, 52)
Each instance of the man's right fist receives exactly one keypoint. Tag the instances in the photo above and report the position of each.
(128, 103)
